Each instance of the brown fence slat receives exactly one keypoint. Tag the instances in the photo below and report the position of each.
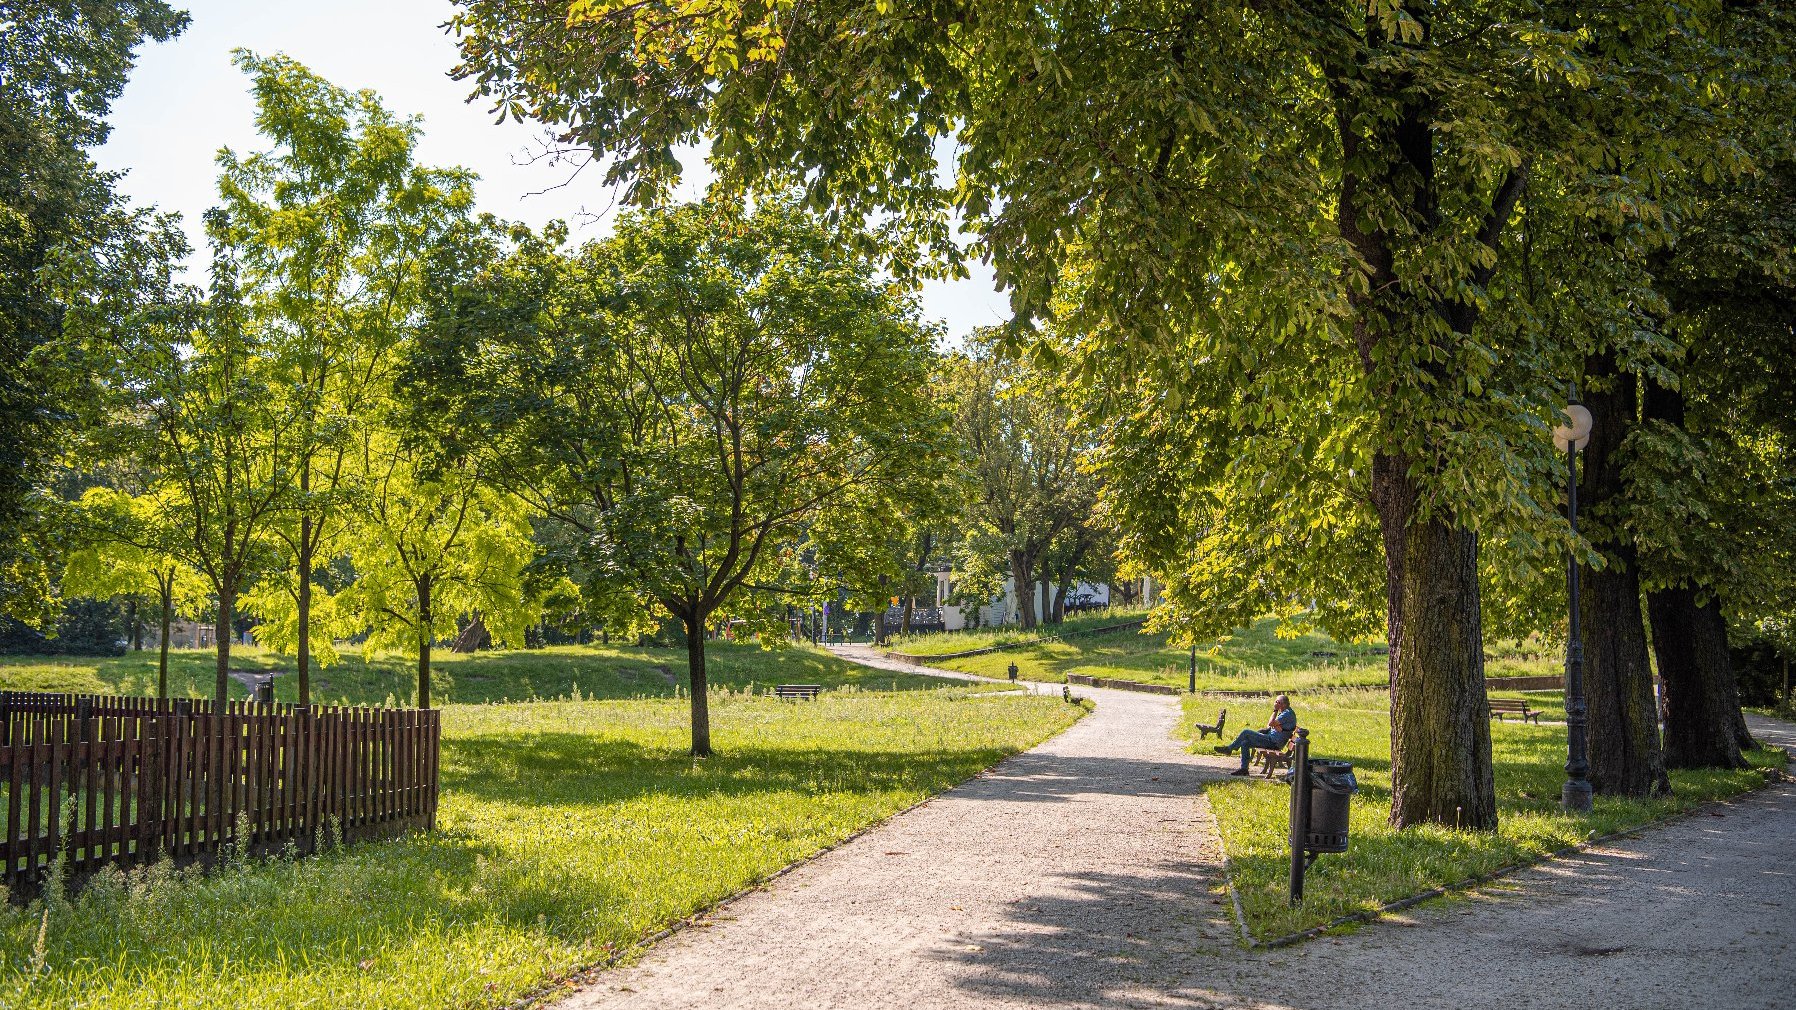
(143, 777)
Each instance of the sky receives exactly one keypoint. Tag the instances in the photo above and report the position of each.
(185, 100)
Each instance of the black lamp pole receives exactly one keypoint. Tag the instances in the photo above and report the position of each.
(1193, 666)
(1576, 794)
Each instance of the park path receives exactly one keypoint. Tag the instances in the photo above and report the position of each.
(1081, 873)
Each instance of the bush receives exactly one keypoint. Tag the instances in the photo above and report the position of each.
(86, 628)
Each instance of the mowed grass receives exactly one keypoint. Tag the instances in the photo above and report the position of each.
(1256, 658)
(939, 643)
(1383, 864)
(587, 671)
(568, 831)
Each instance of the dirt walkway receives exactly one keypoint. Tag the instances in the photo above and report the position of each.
(1078, 874)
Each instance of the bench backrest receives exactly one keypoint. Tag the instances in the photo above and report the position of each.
(1508, 705)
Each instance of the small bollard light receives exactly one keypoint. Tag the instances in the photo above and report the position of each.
(1013, 673)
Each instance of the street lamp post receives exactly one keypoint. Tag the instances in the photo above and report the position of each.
(1575, 797)
(1193, 666)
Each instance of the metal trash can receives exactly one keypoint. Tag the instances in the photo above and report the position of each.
(1332, 786)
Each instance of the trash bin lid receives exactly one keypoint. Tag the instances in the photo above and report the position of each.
(1333, 776)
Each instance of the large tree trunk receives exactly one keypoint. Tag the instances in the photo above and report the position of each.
(1021, 572)
(167, 593)
(1699, 708)
(302, 660)
(1441, 769)
(1704, 727)
(695, 679)
(426, 636)
(221, 631)
(1625, 759)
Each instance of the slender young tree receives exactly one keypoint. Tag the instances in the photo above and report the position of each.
(332, 225)
(691, 395)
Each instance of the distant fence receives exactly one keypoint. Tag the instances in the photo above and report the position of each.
(129, 780)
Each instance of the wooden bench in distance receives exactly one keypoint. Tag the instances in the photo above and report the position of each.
(1500, 707)
(798, 692)
(1206, 729)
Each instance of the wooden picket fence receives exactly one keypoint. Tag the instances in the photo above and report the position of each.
(127, 781)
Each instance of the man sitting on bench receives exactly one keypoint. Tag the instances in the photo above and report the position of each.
(1278, 730)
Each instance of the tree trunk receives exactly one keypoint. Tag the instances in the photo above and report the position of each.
(1021, 575)
(167, 593)
(472, 637)
(1704, 727)
(1441, 770)
(136, 625)
(1699, 712)
(221, 631)
(879, 629)
(910, 604)
(302, 660)
(695, 679)
(426, 635)
(1625, 758)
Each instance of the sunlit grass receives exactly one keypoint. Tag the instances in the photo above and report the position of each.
(1255, 658)
(1384, 864)
(944, 642)
(590, 671)
(568, 830)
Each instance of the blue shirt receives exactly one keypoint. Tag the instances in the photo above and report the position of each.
(1285, 724)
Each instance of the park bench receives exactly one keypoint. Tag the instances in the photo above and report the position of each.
(797, 692)
(1206, 729)
(1272, 760)
(1500, 707)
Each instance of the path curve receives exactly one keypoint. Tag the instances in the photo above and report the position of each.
(1081, 873)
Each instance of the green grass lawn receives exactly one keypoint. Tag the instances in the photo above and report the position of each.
(1383, 864)
(941, 643)
(592, 671)
(569, 830)
(1255, 658)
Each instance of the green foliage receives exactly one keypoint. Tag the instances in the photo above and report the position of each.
(61, 228)
(568, 832)
(695, 396)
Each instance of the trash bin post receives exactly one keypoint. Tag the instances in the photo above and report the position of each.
(1300, 811)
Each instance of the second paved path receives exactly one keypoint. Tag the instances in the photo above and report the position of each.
(1082, 873)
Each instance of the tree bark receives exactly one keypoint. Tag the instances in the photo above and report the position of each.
(302, 660)
(1699, 712)
(425, 637)
(1441, 770)
(221, 631)
(1021, 576)
(1625, 757)
(695, 679)
(167, 591)
(136, 625)
(879, 628)
(1703, 723)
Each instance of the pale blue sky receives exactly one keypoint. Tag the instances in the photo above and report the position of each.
(185, 100)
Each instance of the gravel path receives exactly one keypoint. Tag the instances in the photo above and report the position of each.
(1079, 874)
(1084, 873)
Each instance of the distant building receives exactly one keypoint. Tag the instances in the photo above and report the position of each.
(1005, 607)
